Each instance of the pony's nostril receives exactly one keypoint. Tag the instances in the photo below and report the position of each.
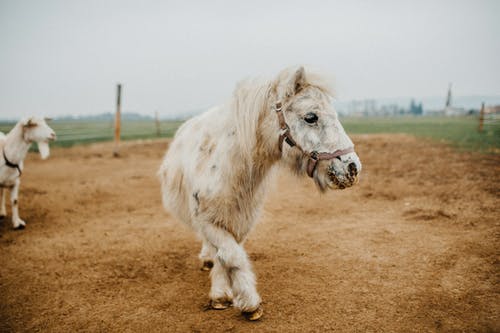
(353, 170)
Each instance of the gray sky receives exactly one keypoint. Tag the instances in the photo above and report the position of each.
(65, 57)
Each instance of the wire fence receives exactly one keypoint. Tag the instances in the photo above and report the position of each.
(463, 131)
(70, 133)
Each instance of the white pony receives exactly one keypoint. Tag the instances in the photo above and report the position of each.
(14, 146)
(214, 175)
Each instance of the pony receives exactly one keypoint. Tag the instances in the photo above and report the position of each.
(14, 146)
(216, 171)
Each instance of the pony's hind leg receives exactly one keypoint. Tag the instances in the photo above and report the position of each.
(206, 256)
(3, 211)
(232, 259)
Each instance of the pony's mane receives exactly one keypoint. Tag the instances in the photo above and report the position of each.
(251, 98)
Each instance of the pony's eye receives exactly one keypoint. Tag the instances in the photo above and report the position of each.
(311, 118)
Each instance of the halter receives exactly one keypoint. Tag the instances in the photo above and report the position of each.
(11, 165)
(313, 157)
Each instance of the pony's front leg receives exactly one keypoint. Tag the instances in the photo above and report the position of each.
(17, 223)
(233, 260)
(3, 211)
(206, 256)
(220, 289)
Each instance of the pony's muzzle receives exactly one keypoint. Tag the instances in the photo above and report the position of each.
(343, 172)
(352, 169)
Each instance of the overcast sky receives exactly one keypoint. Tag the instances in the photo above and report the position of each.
(65, 57)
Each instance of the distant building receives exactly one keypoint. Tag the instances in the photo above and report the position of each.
(369, 107)
(390, 110)
(363, 107)
(493, 110)
(448, 97)
(449, 109)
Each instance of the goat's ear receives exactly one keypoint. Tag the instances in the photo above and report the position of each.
(29, 123)
(298, 81)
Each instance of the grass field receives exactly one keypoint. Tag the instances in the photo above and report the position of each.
(461, 132)
(71, 133)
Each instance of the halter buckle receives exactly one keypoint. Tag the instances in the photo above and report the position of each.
(314, 155)
(278, 106)
(284, 130)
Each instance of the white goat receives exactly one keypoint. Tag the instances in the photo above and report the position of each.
(14, 146)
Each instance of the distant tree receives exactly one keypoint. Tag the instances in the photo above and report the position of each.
(416, 109)
(413, 106)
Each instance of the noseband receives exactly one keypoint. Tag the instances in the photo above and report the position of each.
(313, 157)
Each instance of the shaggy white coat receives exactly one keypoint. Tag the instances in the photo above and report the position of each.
(15, 146)
(215, 172)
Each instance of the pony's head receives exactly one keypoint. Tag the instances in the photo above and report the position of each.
(314, 141)
(35, 129)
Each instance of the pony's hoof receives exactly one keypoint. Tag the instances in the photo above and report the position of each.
(207, 265)
(254, 315)
(219, 304)
(18, 224)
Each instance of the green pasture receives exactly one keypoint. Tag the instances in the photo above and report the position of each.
(460, 132)
(71, 133)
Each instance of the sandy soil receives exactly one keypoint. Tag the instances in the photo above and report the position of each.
(413, 248)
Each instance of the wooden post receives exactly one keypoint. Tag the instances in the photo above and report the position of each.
(116, 151)
(481, 118)
(157, 121)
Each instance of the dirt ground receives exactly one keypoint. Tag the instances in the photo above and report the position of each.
(413, 248)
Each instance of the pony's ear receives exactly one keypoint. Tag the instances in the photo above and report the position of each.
(29, 123)
(298, 81)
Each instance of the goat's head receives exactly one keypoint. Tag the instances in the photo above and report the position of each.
(35, 129)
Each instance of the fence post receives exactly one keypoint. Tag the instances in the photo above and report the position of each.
(116, 151)
(481, 118)
(157, 121)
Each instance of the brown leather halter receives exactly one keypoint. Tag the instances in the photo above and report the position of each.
(313, 157)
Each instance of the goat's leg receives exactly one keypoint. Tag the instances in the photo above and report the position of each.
(3, 211)
(17, 223)
(232, 258)
(206, 256)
